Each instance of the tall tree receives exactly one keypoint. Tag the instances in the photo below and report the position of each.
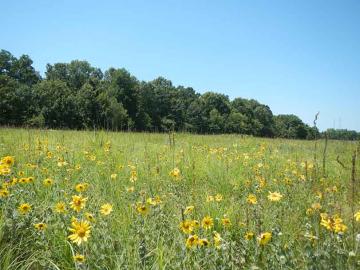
(78, 95)
(290, 126)
(75, 74)
(124, 87)
(57, 104)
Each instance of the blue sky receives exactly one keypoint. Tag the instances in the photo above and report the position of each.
(299, 56)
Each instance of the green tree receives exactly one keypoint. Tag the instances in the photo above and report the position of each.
(290, 126)
(78, 95)
(237, 123)
(75, 74)
(16, 101)
(57, 104)
(216, 121)
(88, 106)
(124, 87)
(20, 69)
(342, 134)
(259, 118)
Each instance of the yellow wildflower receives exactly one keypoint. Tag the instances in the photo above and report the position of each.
(249, 235)
(24, 208)
(357, 216)
(207, 222)
(187, 226)
(175, 173)
(130, 189)
(333, 224)
(80, 231)
(79, 259)
(195, 223)
(188, 209)
(48, 182)
(142, 208)
(30, 179)
(203, 242)
(106, 209)
(251, 199)
(133, 176)
(225, 222)
(90, 217)
(264, 238)
(60, 207)
(209, 198)
(4, 192)
(40, 226)
(81, 187)
(217, 240)
(78, 202)
(274, 196)
(8, 160)
(192, 241)
(316, 206)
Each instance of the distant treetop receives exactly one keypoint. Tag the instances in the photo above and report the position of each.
(77, 95)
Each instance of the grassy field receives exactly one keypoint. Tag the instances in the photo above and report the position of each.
(103, 200)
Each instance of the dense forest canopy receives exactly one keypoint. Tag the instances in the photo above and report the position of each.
(77, 95)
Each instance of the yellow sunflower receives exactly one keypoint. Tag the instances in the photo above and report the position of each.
(217, 240)
(60, 207)
(218, 197)
(29, 180)
(81, 187)
(175, 173)
(24, 208)
(40, 226)
(207, 222)
(203, 242)
(79, 259)
(251, 199)
(186, 226)
(264, 238)
(225, 222)
(78, 202)
(8, 160)
(274, 196)
(4, 192)
(192, 241)
(48, 182)
(142, 209)
(106, 209)
(249, 235)
(80, 231)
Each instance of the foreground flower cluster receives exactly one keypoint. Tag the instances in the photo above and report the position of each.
(107, 202)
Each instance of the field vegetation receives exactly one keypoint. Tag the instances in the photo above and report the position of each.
(106, 200)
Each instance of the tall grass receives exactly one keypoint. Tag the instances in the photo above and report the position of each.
(229, 166)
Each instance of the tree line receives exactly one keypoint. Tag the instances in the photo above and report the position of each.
(77, 95)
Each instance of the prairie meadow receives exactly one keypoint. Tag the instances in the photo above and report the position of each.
(107, 200)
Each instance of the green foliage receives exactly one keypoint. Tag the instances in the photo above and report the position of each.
(21, 70)
(342, 134)
(75, 74)
(290, 126)
(57, 104)
(16, 101)
(77, 95)
(237, 123)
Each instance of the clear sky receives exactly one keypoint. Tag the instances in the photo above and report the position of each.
(297, 56)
